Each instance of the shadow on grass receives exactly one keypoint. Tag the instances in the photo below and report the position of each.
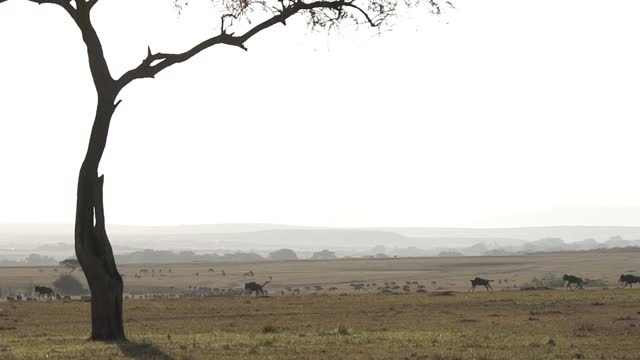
(143, 350)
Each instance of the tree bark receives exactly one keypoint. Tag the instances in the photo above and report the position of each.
(92, 245)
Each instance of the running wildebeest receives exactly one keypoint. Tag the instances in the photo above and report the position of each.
(629, 279)
(570, 279)
(44, 291)
(480, 282)
(252, 286)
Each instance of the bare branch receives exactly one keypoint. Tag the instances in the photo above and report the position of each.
(65, 4)
(154, 63)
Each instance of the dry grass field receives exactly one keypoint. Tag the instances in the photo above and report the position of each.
(597, 323)
(558, 324)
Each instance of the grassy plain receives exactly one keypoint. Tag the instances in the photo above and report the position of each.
(435, 273)
(596, 323)
(558, 324)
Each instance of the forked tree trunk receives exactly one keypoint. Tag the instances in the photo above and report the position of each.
(91, 242)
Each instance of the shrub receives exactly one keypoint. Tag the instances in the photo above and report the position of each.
(68, 285)
(547, 281)
(595, 282)
(343, 330)
(270, 329)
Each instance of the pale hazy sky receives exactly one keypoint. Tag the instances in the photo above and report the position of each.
(499, 113)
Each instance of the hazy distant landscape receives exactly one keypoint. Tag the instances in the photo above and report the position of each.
(39, 245)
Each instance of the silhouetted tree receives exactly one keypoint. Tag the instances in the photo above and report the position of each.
(323, 255)
(92, 245)
(70, 263)
(283, 254)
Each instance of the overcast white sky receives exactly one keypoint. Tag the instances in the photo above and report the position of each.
(500, 113)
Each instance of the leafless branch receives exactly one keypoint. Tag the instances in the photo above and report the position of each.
(156, 62)
(65, 4)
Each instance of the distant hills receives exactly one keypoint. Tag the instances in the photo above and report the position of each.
(18, 241)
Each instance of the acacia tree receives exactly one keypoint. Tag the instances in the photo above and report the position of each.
(92, 245)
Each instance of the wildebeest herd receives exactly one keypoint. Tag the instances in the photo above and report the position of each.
(627, 279)
(252, 287)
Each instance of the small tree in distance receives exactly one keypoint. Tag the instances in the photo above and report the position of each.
(71, 263)
(323, 255)
(92, 245)
(283, 254)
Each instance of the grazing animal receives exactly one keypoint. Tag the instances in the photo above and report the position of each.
(253, 286)
(629, 279)
(480, 282)
(211, 270)
(44, 291)
(570, 279)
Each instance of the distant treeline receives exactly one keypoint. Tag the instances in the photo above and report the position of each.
(31, 260)
(626, 249)
(167, 257)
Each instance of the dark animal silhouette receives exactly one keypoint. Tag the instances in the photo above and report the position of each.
(629, 279)
(44, 291)
(570, 279)
(480, 282)
(250, 287)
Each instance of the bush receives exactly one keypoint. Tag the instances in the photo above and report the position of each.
(283, 254)
(595, 283)
(343, 330)
(268, 329)
(323, 255)
(547, 281)
(68, 285)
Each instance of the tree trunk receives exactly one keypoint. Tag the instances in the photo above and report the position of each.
(91, 242)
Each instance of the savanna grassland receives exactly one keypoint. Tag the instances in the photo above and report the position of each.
(558, 324)
(600, 322)
(435, 273)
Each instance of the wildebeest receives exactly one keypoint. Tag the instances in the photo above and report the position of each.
(44, 291)
(480, 282)
(629, 279)
(570, 279)
(253, 286)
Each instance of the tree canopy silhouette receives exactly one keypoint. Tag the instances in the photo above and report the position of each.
(70, 263)
(92, 245)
